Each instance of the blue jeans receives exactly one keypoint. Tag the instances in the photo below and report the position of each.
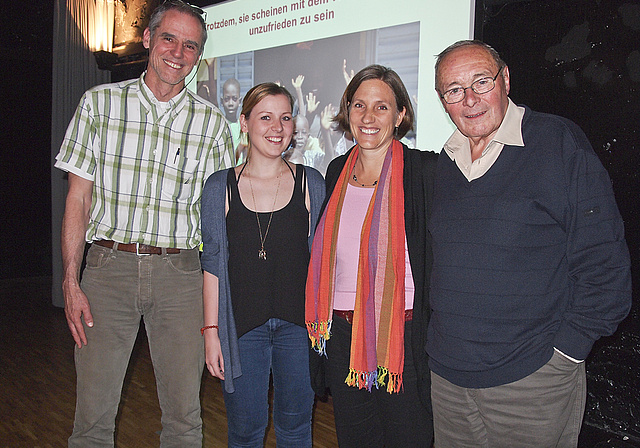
(121, 288)
(280, 348)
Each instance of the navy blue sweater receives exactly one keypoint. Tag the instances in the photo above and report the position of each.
(528, 257)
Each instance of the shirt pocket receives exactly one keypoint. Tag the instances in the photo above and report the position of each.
(178, 180)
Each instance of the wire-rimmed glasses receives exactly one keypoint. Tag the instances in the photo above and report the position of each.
(480, 86)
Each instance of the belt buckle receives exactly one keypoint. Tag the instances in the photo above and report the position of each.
(138, 250)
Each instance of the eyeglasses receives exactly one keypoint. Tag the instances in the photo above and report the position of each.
(195, 8)
(481, 86)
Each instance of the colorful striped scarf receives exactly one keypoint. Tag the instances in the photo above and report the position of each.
(377, 340)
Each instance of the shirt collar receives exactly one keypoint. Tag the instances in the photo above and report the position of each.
(509, 132)
(150, 101)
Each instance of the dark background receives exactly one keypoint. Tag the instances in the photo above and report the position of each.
(575, 58)
(26, 36)
(581, 59)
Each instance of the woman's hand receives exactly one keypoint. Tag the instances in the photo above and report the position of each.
(213, 353)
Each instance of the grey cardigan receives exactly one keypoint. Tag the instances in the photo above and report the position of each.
(215, 257)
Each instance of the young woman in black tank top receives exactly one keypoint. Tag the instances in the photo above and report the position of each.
(267, 229)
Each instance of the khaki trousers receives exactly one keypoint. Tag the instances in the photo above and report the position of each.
(122, 288)
(544, 409)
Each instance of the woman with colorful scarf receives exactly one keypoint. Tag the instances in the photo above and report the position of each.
(367, 304)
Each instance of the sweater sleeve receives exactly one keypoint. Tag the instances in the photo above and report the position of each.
(213, 204)
(316, 196)
(215, 261)
(597, 254)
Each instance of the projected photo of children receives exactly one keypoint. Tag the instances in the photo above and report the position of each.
(316, 73)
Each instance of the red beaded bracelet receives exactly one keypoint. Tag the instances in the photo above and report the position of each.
(206, 328)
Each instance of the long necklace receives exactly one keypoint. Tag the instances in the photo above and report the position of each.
(262, 254)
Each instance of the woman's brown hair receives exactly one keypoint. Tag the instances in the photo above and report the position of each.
(390, 78)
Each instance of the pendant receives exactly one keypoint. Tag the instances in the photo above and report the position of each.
(262, 254)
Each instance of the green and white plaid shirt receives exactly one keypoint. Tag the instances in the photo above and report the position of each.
(148, 162)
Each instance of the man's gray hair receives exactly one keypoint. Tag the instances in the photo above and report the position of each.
(183, 7)
(467, 43)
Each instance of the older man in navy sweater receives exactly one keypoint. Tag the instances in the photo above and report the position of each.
(530, 264)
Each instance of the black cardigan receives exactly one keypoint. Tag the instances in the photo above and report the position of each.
(419, 174)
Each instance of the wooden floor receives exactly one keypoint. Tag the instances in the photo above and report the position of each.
(37, 385)
(37, 382)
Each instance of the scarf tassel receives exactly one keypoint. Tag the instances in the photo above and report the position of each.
(319, 334)
(366, 380)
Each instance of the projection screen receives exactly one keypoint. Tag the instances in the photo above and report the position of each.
(316, 44)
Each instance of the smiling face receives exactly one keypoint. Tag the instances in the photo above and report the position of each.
(478, 117)
(173, 51)
(269, 126)
(373, 115)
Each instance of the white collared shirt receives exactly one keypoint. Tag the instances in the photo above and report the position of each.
(509, 133)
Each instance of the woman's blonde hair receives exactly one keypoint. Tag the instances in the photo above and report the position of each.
(258, 92)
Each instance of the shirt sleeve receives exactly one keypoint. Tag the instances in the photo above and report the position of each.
(597, 253)
(222, 155)
(76, 152)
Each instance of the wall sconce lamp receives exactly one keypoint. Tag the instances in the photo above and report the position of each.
(105, 59)
(101, 33)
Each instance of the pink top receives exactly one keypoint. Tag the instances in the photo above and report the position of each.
(354, 210)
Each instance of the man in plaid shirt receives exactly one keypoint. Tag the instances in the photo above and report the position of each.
(137, 154)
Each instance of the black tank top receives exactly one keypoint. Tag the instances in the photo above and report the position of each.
(275, 287)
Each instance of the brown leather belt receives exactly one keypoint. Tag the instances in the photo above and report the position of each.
(348, 315)
(136, 248)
